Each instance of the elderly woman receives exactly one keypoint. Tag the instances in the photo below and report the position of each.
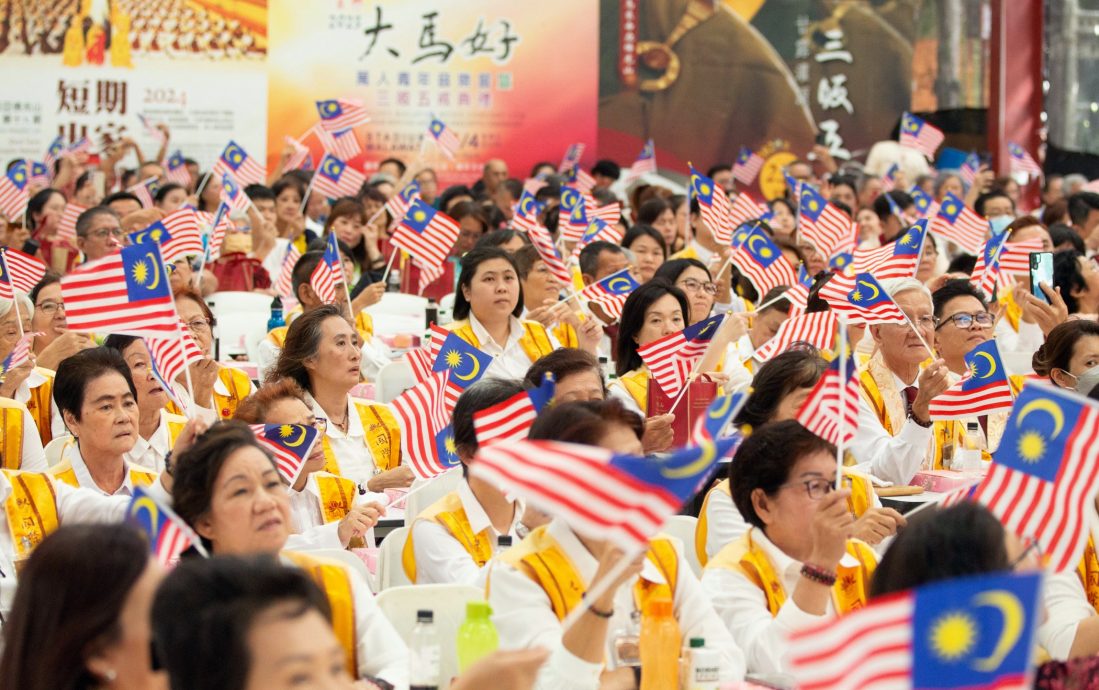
(228, 489)
(362, 440)
(56, 341)
(25, 390)
(218, 387)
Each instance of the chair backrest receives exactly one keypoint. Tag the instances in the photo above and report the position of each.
(447, 603)
(241, 321)
(393, 379)
(390, 570)
(446, 309)
(55, 449)
(424, 492)
(682, 527)
(399, 313)
(349, 560)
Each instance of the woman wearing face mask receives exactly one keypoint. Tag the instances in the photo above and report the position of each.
(1070, 356)
(228, 489)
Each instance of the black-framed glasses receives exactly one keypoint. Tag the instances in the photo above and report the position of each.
(695, 285)
(817, 488)
(965, 321)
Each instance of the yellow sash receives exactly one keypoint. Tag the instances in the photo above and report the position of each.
(748, 558)
(542, 559)
(11, 423)
(449, 513)
(333, 579)
(277, 336)
(1012, 311)
(1088, 570)
(534, 341)
(40, 405)
(239, 386)
(337, 495)
(566, 335)
(687, 252)
(636, 383)
(31, 510)
(702, 528)
(383, 437)
(63, 471)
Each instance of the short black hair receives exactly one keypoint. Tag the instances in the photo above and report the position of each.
(671, 270)
(583, 422)
(589, 255)
(718, 168)
(1081, 204)
(1068, 277)
(607, 168)
(498, 238)
(882, 208)
(561, 363)
(165, 189)
(776, 379)
(638, 231)
(303, 269)
(401, 167)
(962, 263)
(256, 192)
(119, 196)
(952, 289)
(633, 318)
(764, 460)
(480, 396)
(1059, 234)
(223, 597)
(75, 372)
(468, 267)
(994, 193)
(85, 219)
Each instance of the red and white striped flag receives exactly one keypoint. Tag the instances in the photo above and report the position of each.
(984, 389)
(291, 444)
(512, 419)
(821, 411)
(299, 154)
(1022, 161)
(1046, 472)
(422, 359)
(986, 272)
(444, 137)
(399, 203)
(744, 209)
(344, 146)
(341, 114)
(898, 259)
(747, 166)
(611, 293)
(175, 170)
(285, 283)
(542, 240)
(672, 358)
(427, 275)
(889, 179)
(144, 191)
(20, 354)
(917, 134)
(245, 169)
(823, 225)
(959, 224)
(426, 233)
(816, 328)
(335, 178)
(127, 292)
(1015, 256)
(13, 191)
(151, 129)
(171, 356)
(571, 158)
(24, 270)
(169, 536)
(861, 299)
(645, 163)
(421, 415)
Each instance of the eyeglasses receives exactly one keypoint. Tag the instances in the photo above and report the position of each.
(692, 285)
(103, 233)
(50, 308)
(320, 424)
(931, 322)
(965, 321)
(199, 325)
(816, 488)
(1032, 546)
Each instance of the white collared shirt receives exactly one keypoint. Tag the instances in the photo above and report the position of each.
(724, 523)
(894, 458)
(524, 617)
(351, 450)
(509, 361)
(84, 475)
(742, 606)
(149, 453)
(310, 530)
(439, 556)
(739, 356)
(1066, 604)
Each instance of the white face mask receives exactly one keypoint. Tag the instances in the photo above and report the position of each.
(1087, 380)
(999, 224)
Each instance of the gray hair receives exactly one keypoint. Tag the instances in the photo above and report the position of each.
(84, 222)
(895, 286)
(26, 307)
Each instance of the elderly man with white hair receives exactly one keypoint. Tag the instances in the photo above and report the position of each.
(896, 437)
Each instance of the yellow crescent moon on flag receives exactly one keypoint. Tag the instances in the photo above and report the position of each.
(301, 437)
(1047, 406)
(155, 269)
(139, 238)
(751, 239)
(625, 282)
(473, 372)
(991, 364)
(150, 507)
(872, 287)
(723, 410)
(705, 457)
(1011, 609)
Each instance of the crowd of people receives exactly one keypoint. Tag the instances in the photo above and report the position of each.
(87, 422)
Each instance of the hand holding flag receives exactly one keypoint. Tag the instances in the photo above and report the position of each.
(169, 536)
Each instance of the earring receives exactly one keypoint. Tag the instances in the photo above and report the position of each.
(110, 675)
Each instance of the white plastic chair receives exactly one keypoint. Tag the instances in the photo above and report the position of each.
(424, 492)
(446, 602)
(682, 527)
(55, 449)
(349, 560)
(393, 379)
(241, 322)
(399, 313)
(390, 571)
(446, 309)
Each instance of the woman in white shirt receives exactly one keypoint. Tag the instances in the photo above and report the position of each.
(228, 489)
(362, 439)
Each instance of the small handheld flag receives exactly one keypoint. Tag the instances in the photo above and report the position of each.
(341, 114)
(747, 166)
(291, 444)
(917, 134)
(426, 233)
(861, 299)
(169, 536)
(984, 390)
(244, 168)
(511, 419)
(127, 292)
(444, 137)
(672, 358)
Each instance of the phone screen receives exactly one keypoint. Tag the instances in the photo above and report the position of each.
(1041, 271)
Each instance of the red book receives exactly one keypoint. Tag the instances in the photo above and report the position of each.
(700, 393)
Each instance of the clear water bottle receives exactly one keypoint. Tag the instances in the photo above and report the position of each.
(969, 459)
(424, 652)
(393, 283)
(277, 319)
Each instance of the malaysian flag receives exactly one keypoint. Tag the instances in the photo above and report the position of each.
(1015, 257)
(443, 136)
(713, 205)
(217, 224)
(761, 262)
(66, 227)
(81, 145)
(970, 168)
(971, 632)
(291, 445)
(341, 114)
(960, 225)
(1022, 161)
(284, 285)
(671, 358)
(645, 163)
(526, 211)
(580, 179)
(925, 205)
(421, 414)
(335, 179)
(620, 498)
(54, 152)
(13, 192)
(464, 363)
(816, 328)
(542, 240)
(428, 275)
(986, 272)
(596, 230)
(421, 359)
(127, 292)
(399, 203)
(745, 209)
(232, 196)
(724, 409)
(38, 173)
(571, 158)
(152, 130)
(821, 411)
(344, 146)
(747, 166)
(611, 292)
(822, 224)
(175, 170)
(426, 234)
(861, 299)
(328, 272)
(19, 355)
(169, 536)
(798, 294)
(1045, 471)
(889, 179)
(172, 356)
(244, 168)
(23, 270)
(984, 390)
(511, 419)
(177, 234)
(299, 155)
(898, 259)
(920, 135)
(145, 191)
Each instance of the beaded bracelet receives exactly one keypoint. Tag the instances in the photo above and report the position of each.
(596, 612)
(818, 575)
